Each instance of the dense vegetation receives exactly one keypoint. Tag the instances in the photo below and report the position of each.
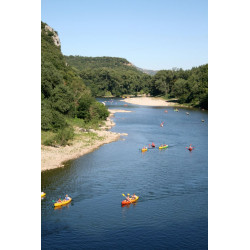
(107, 82)
(83, 63)
(188, 86)
(64, 96)
(114, 76)
(110, 76)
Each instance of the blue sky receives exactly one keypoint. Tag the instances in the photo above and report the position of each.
(151, 34)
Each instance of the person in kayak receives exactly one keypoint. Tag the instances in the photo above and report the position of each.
(59, 200)
(128, 198)
(153, 145)
(133, 196)
(66, 197)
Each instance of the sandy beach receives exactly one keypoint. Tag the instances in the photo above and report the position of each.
(84, 143)
(149, 101)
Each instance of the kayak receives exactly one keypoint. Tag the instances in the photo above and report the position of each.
(190, 149)
(43, 194)
(126, 202)
(166, 146)
(144, 149)
(64, 202)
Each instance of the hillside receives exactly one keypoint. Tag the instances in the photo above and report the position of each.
(64, 94)
(116, 63)
(110, 76)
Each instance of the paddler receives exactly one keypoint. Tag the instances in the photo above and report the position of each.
(133, 196)
(67, 197)
(128, 198)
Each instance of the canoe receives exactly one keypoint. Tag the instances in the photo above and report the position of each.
(144, 149)
(64, 202)
(163, 147)
(126, 202)
(43, 194)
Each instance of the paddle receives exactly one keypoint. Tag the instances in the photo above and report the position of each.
(131, 197)
(126, 197)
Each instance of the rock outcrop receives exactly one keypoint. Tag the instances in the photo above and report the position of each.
(55, 36)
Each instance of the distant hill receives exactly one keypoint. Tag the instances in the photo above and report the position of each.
(82, 63)
(110, 76)
(148, 71)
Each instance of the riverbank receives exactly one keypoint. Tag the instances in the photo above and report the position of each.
(83, 143)
(150, 101)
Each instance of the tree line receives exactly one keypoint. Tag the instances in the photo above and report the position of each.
(115, 76)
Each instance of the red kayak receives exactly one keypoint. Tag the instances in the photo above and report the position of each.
(126, 202)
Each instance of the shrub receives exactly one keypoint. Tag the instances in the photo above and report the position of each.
(98, 111)
(61, 138)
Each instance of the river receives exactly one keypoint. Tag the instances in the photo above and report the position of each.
(172, 211)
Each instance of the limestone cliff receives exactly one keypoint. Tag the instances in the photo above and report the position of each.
(55, 36)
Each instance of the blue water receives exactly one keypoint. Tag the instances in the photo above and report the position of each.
(172, 211)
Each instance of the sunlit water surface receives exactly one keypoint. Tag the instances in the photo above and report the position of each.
(172, 211)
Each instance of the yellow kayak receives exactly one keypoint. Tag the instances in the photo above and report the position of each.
(163, 147)
(43, 194)
(63, 202)
(144, 149)
(126, 202)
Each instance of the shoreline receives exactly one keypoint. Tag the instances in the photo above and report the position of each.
(52, 157)
(150, 101)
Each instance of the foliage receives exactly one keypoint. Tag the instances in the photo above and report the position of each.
(189, 86)
(61, 138)
(110, 75)
(63, 93)
(83, 62)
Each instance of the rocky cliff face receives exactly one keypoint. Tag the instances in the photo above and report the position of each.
(55, 36)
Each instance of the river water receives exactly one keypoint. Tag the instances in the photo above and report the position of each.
(172, 211)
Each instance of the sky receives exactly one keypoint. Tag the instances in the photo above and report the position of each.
(151, 34)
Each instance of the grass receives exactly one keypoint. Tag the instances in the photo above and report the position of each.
(93, 124)
(50, 138)
(46, 135)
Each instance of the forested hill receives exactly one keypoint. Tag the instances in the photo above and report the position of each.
(64, 94)
(110, 76)
(83, 62)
